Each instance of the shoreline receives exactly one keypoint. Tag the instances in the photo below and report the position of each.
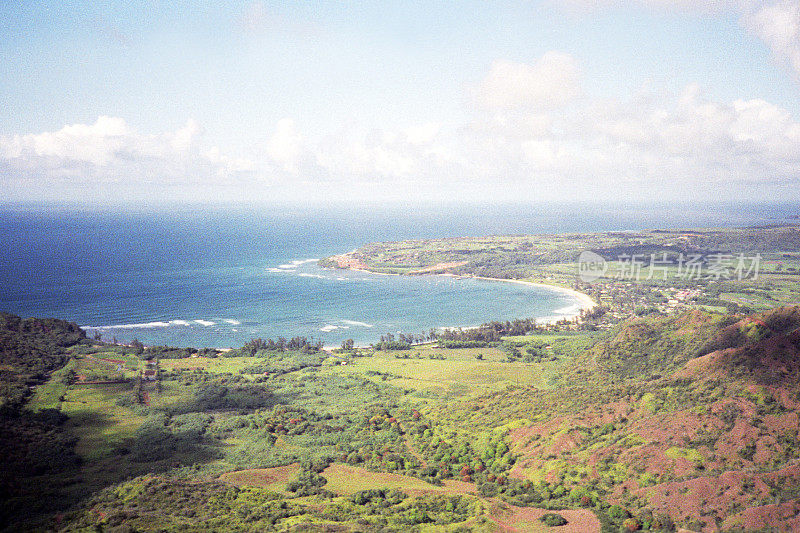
(585, 302)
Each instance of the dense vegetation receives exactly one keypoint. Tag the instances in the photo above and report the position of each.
(630, 417)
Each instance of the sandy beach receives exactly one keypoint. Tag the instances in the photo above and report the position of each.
(586, 301)
(347, 261)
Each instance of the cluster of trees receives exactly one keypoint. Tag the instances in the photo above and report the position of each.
(402, 510)
(483, 335)
(529, 352)
(280, 420)
(556, 496)
(226, 393)
(166, 438)
(309, 483)
(454, 344)
(170, 504)
(170, 352)
(489, 333)
(386, 345)
(482, 460)
(281, 344)
(403, 341)
(165, 352)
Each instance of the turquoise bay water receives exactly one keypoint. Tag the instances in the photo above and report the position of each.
(218, 277)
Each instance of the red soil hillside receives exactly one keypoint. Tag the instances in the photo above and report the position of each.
(694, 418)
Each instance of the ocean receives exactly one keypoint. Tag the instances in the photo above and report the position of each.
(219, 276)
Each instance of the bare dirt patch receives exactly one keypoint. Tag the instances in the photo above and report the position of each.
(438, 268)
(348, 261)
(274, 478)
(513, 518)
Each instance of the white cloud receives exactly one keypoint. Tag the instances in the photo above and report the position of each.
(655, 146)
(422, 134)
(96, 143)
(552, 81)
(285, 145)
(110, 149)
(356, 154)
(186, 139)
(778, 25)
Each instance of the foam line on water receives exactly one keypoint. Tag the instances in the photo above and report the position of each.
(296, 263)
(357, 323)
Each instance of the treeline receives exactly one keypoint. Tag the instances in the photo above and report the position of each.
(250, 349)
(484, 334)
(170, 352)
(284, 363)
(403, 341)
(281, 344)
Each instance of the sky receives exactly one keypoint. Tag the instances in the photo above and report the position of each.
(333, 102)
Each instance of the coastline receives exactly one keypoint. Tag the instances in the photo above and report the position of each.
(585, 302)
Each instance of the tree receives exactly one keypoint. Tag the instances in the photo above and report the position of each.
(553, 519)
(138, 347)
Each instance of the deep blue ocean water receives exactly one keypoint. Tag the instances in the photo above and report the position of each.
(219, 276)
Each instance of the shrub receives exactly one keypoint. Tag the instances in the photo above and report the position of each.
(553, 519)
(631, 524)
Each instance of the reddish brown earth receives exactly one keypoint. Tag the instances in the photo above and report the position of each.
(729, 461)
(349, 261)
(521, 519)
(438, 268)
(262, 477)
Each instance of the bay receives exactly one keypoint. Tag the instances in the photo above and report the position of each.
(219, 276)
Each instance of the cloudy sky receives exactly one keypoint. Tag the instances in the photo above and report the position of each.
(120, 102)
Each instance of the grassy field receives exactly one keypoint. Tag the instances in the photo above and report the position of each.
(218, 365)
(458, 375)
(95, 418)
(48, 395)
(274, 479)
